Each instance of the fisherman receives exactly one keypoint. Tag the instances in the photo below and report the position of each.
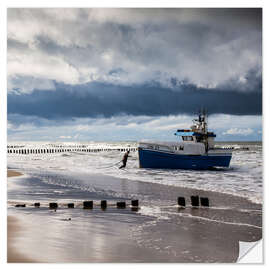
(124, 160)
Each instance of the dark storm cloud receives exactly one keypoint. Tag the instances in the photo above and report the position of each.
(100, 99)
(196, 38)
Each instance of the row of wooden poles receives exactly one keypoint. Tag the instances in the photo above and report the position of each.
(196, 201)
(87, 204)
(61, 150)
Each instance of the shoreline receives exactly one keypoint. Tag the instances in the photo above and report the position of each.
(215, 197)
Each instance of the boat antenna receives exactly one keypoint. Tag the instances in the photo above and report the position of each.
(205, 120)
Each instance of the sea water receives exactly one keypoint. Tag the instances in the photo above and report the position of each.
(243, 177)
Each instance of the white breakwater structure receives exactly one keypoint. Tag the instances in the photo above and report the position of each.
(50, 148)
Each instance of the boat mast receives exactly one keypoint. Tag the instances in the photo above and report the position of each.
(203, 123)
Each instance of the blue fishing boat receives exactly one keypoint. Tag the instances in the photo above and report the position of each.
(195, 151)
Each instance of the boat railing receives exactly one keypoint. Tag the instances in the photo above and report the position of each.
(156, 146)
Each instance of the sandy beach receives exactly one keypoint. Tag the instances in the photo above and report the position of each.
(158, 232)
(14, 229)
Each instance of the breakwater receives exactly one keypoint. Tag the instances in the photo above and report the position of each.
(25, 150)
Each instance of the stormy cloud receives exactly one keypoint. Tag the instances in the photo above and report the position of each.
(67, 66)
(74, 46)
(106, 100)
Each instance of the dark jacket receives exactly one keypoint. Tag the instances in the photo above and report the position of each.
(125, 157)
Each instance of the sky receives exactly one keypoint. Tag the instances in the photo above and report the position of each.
(131, 74)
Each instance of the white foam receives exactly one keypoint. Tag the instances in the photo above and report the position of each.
(219, 221)
(154, 211)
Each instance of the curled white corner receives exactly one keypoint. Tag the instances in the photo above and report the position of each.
(250, 252)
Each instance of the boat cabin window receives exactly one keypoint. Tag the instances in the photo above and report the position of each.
(187, 138)
(179, 148)
(154, 147)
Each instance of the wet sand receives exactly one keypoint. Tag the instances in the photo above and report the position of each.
(14, 230)
(12, 173)
(158, 232)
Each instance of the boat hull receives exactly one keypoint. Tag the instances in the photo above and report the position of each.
(164, 160)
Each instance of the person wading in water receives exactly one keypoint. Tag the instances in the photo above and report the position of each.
(124, 160)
